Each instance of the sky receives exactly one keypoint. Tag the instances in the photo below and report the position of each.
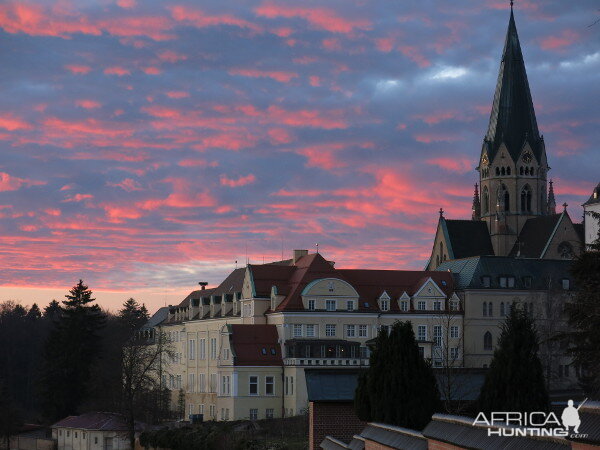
(149, 145)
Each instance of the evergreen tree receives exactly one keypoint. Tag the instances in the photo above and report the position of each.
(584, 317)
(515, 380)
(133, 314)
(399, 388)
(52, 311)
(70, 350)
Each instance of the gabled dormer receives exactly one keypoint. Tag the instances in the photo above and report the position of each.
(404, 302)
(384, 302)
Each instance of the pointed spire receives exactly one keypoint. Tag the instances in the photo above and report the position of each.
(512, 120)
(551, 200)
(476, 215)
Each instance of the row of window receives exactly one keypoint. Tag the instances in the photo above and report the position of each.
(438, 335)
(253, 385)
(202, 349)
(312, 330)
(76, 435)
(502, 171)
(509, 281)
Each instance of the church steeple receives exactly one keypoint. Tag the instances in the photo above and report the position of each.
(513, 120)
(551, 200)
(476, 205)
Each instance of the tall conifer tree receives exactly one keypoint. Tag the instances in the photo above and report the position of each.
(70, 350)
(515, 380)
(399, 388)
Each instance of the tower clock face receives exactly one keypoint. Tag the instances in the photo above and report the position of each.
(527, 157)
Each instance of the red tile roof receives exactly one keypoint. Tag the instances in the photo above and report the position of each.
(255, 345)
(370, 284)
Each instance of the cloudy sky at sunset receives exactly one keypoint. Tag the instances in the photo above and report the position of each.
(145, 145)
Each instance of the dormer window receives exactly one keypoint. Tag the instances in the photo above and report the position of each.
(331, 286)
(437, 305)
(421, 305)
(385, 304)
(330, 305)
(311, 305)
(350, 305)
(486, 281)
(404, 305)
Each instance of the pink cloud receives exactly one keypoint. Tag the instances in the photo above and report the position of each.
(385, 44)
(88, 104)
(280, 136)
(241, 181)
(321, 18)
(128, 184)
(199, 19)
(10, 183)
(178, 94)
(436, 117)
(128, 4)
(281, 76)
(197, 163)
(78, 69)
(566, 39)
(152, 70)
(456, 164)
(13, 123)
(78, 198)
(117, 70)
(171, 56)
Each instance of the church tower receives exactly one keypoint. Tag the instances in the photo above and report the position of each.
(512, 166)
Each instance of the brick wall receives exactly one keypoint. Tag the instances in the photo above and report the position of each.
(437, 445)
(332, 419)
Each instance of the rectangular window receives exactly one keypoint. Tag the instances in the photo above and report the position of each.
(287, 386)
(503, 282)
(350, 331)
(202, 382)
(363, 352)
(225, 384)
(226, 354)
(297, 330)
(269, 385)
(291, 385)
(178, 381)
(511, 282)
(202, 349)
(454, 305)
(330, 330)
(350, 305)
(191, 409)
(269, 413)
(454, 353)
(213, 382)
(437, 335)
(565, 284)
(422, 332)
(253, 385)
(201, 409)
(253, 414)
(212, 411)
(527, 282)
(191, 382)
(421, 305)
(404, 305)
(310, 330)
(192, 349)
(311, 305)
(421, 351)
(454, 333)
(330, 305)
(385, 305)
(362, 331)
(437, 305)
(213, 348)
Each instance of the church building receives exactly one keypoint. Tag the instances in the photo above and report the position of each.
(514, 208)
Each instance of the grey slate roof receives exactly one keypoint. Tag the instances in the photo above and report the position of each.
(534, 236)
(157, 318)
(543, 273)
(513, 120)
(331, 385)
(467, 238)
(394, 437)
(460, 431)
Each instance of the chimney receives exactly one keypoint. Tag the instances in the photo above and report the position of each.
(299, 254)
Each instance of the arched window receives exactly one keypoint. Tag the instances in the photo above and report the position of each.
(485, 309)
(486, 200)
(531, 172)
(526, 170)
(508, 171)
(521, 170)
(437, 260)
(502, 310)
(503, 171)
(497, 171)
(487, 341)
(526, 199)
(506, 200)
(490, 309)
